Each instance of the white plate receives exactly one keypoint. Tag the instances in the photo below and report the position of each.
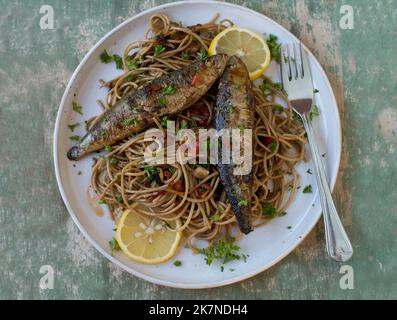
(266, 245)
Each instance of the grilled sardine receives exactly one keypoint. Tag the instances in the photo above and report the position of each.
(235, 110)
(166, 95)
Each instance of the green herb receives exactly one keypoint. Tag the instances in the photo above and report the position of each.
(164, 121)
(73, 126)
(162, 101)
(114, 246)
(309, 171)
(273, 146)
(231, 270)
(274, 47)
(243, 203)
(113, 161)
(74, 138)
(268, 210)
(131, 65)
(105, 57)
(316, 91)
(289, 227)
(314, 113)
(224, 251)
(222, 268)
(128, 78)
(119, 198)
(278, 108)
(171, 170)
(118, 60)
(278, 86)
(216, 217)
(203, 54)
(158, 50)
(79, 173)
(185, 56)
(77, 108)
(231, 109)
(101, 202)
(307, 189)
(108, 148)
(131, 122)
(177, 263)
(169, 90)
(151, 173)
(184, 124)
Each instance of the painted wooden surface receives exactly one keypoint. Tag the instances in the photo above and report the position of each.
(35, 228)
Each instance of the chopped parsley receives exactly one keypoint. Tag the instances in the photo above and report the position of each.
(158, 50)
(113, 161)
(215, 218)
(222, 268)
(105, 57)
(243, 203)
(77, 108)
(101, 202)
(128, 78)
(202, 55)
(177, 263)
(185, 56)
(309, 171)
(79, 173)
(118, 60)
(308, 189)
(114, 245)
(162, 101)
(314, 113)
(289, 227)
(164, 121)
(274, 47)
(131, 65)
(119, 198)
(224, 250)
(73, 126)
(151, 173)
(75, 138)
(108, 148)
(278, 108)
(273, 146)
(316, 91)
(268, 210)
(131, 122)
(169, 90)
(231, 109)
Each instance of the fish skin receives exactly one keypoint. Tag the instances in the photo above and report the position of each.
(235, 90)
(135, 111)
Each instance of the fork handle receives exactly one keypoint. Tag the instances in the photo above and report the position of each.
(338, 244)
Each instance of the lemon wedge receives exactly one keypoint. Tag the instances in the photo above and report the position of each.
(147, 239)
(247, 45)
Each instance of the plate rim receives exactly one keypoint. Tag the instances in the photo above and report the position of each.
(132, 271)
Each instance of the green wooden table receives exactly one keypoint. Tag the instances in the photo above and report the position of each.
(36, 230)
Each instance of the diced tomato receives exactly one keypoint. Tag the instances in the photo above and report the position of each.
(266, 140)
(195, 79)
(154, 87)
(201, 111)
(167, 174)
(178, 186)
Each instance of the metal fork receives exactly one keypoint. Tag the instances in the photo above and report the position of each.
(297, 82)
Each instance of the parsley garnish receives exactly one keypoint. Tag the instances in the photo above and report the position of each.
(164, 121)
(216, 217)
(74, 138)
(177, 263)
(308, 189)
(203, 54)
(273, 146)
(151, 173)
(118, 60)
(113, 161)
(128, 78)
(185, 56)
(169, 90)
(224, 251)
(309, 171)
(114, 245)
(119, 198)
(73, 126)
(108, 148)
(316, 91)
(268, 210)
(77, 108)
(243, 203)
(101, 202)
(274, 47)
(105, 57)
(131, 122)
(314, 113)
(131, 65)
(158, 50)
(278, 108)
(162, 101)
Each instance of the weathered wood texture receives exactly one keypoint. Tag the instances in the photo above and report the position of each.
(35, 228)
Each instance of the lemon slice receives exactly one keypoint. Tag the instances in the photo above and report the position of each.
(147, 239)
(247, 45)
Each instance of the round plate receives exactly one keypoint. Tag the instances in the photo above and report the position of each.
(266, 245)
